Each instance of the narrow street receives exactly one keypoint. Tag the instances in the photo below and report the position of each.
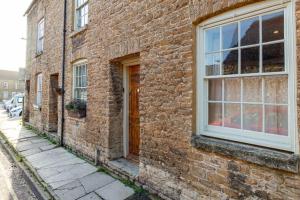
(12, 183)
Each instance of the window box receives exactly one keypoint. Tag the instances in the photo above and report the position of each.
(76, 109)
(77, 114)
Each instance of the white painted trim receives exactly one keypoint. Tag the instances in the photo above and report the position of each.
(289, 143)
(76, 64)
(76, 8)
(126, 64)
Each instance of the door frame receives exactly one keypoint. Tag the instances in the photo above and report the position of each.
(126, 64)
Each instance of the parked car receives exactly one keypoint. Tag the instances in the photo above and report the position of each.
(6, 103)
(16, 101)
(16, 112)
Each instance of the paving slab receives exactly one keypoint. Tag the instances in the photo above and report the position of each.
(115, 191)
(95, 181)
(30, 152)
(91, 196)
(32, 146)
(70, 191)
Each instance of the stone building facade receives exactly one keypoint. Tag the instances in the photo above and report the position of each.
(11, 83)
(143, 64)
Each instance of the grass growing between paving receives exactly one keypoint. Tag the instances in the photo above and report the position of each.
(17, 156)
(42, 134)
(129, 183)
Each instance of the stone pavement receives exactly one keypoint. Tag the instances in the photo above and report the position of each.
(67, 177)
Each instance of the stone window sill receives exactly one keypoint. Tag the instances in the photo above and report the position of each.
(253, 154)
(37, 108)
(38, 54)
(79, 31)
(82, 120)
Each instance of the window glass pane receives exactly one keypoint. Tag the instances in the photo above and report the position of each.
(230, 36)
(252, 117)
(77, 71)
(84, 81)
(215, 90)
(252, 89)
(212, 40)
(230, 62)
(276, 120)
(250, 60)
(273, 26)
(273, 57)
(250, 31)
(232, 115)
(276, 90)
(215, 114)
(212, 64)
(232, 87)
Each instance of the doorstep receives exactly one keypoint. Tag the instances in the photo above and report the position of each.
(125, 167)
(64, 176)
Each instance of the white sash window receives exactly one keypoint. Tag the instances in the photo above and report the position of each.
(246, 76)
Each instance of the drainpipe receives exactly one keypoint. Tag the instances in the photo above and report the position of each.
(63, 76)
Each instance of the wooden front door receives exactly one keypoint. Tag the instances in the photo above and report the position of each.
(134, 116)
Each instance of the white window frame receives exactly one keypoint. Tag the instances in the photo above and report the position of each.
(78, 65)
(4, 85)
(77, 17)
(288, 143)
(39, 89)
(40, 36)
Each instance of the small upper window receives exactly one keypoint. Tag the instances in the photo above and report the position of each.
(245, 77)
(80, 81)
(4, 85)
(40, 36)
(81, 13)
(39, 89)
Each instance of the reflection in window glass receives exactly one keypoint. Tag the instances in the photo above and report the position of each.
(276, 90)
(252, 89)
(252, 117)
(232, 89)
(244, 95)
(250, 31)
(230, 36)
(212, 40)
(215, 90)
(230, 62)
(232, 115)
(215, 114)
(273, 27)
(250, 60)
(276, 119)
(273, 57)
(212, 64)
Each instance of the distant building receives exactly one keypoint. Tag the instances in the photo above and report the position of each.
(11, 82)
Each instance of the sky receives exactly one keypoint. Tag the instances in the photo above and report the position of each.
(13, 29)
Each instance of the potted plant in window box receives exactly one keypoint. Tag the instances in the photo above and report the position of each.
(76, 109)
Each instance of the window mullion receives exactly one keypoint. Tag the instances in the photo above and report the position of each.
(223, 102)
(242, 105)
(239, 48)
(260, 46)
(263, 104)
